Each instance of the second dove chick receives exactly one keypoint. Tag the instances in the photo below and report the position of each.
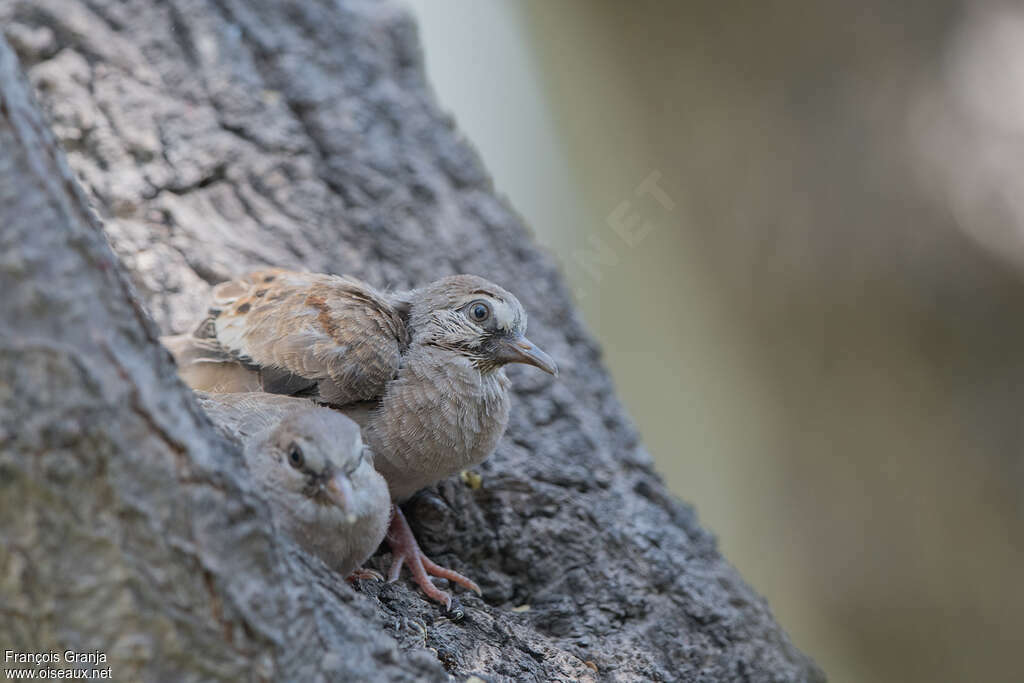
(312, 467)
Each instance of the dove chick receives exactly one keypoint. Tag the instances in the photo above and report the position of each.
(422, 371)
(449, 404)
(311, 465)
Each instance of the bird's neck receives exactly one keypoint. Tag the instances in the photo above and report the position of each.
(452, 371)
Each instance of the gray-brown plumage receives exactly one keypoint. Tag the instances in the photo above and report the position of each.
(422, 371)
(310, 463)
(331, 337)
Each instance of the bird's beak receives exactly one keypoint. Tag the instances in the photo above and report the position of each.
(339, 490)
(519, 349)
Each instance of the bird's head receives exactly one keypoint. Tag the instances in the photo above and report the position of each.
(313, 458)
(478, 319)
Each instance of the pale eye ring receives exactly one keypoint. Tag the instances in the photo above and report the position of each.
(479, 311)
(295, 457)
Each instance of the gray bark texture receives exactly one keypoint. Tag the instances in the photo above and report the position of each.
(212, 136)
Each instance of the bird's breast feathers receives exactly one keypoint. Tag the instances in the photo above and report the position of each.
(431, 426)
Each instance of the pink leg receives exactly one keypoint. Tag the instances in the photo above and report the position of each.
(407, 551)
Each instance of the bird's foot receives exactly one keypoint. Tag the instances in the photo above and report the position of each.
(407, 551)
(364, 574)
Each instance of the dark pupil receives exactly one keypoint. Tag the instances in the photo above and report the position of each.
(479, 311)
(295, 456)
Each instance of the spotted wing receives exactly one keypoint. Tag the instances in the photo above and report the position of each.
(334, 337)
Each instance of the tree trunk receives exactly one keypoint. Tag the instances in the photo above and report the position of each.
(214, 136)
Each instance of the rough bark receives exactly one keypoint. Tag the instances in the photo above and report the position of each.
(217, 135)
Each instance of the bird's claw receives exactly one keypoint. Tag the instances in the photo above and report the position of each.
(407, 551)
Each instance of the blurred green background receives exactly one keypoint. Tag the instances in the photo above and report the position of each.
(818, 325)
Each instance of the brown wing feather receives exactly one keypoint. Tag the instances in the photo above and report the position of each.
(335, 331)
(205, 366)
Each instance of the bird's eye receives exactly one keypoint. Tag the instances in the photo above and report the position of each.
(479, 311)
(295, 457)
